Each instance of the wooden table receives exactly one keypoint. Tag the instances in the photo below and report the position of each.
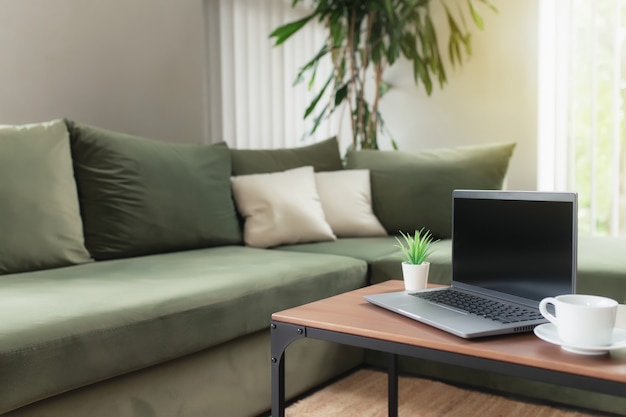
(349, 319)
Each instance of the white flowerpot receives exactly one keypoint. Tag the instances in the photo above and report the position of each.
(415, 276)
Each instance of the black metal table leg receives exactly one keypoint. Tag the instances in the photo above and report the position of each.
(392, 380)
(278, 386)
(281, 336)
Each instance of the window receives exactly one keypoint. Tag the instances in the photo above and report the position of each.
(581, 119)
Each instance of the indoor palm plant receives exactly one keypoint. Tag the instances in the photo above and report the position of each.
(415, 251)
(365, 37)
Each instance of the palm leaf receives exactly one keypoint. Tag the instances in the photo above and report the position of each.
(312, 64)
(317, 98)
(284, 32)
(377, 32)
(478, 19)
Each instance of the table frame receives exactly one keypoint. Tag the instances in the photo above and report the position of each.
(283, 334)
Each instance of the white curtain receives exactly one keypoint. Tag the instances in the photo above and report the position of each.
(582, 93)
(251, 99)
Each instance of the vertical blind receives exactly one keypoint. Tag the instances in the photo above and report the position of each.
(582, 137)
(250, 94)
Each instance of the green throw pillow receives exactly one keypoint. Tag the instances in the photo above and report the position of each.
(322, 156)
(413, 189)
(39, 214)
(141, 196)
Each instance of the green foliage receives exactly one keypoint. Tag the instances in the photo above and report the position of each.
(415, 249)
(365, 37)
(595, 127)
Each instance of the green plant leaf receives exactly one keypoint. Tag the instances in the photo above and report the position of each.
(376, 33)
(394, 144)
(311, 65)
(456, 37)
(478, 19)
(419, 69)
(388, 7)
(417, 248)
(317, 98)
(318, 119)
(462, 16)
(383, 88)
(341, 94)
(490, 5)
(467, 41)
(284, 32)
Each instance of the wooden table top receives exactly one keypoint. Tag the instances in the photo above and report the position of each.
(349, 313)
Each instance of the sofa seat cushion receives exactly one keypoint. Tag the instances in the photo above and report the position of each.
(601, 266)
(368, 249)
(73, 326)
(601, 262)
(382, 256)
(439, 272)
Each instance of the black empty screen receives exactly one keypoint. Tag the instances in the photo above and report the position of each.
(518, 247)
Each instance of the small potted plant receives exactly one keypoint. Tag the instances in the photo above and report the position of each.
(415, 250)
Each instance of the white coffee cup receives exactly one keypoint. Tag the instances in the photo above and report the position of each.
(582, 320)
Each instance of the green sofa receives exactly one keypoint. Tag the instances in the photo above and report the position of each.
(133, 281)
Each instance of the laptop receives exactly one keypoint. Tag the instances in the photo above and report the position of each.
(512, 248)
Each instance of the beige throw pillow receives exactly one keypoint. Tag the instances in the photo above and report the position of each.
(281, 208)
(347, 202)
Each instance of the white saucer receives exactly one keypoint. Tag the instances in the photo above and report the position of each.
(548, 332)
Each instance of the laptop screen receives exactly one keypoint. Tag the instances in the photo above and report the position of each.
(520, 243)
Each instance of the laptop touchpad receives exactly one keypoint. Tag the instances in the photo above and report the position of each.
(426, 310)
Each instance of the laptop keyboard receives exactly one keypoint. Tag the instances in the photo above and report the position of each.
(484, 307)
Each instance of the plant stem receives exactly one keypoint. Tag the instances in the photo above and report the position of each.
(367, 140)
(353, 77)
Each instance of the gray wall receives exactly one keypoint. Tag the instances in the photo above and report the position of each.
(130, 65)
(138, 66)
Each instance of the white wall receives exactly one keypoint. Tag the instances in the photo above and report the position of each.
(491, 98)
(129, 65)
(138, 66)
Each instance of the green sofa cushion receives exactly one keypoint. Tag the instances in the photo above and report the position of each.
(368, 249)
(322, 156)
(39, 214)
(141, 196)
(413, 189)
(602, 267)
(382, 256)
(439, 272)
(601, 261)
(73, 326)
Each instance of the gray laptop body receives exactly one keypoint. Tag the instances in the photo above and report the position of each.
(514, 247)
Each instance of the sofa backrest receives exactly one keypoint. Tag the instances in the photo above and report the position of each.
(40, 223)
(140, 196)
